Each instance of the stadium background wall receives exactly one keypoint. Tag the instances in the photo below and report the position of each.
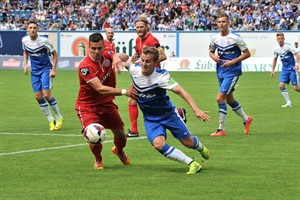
(190, 48)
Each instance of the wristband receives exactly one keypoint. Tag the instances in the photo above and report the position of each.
(123, 92)
(297, 64)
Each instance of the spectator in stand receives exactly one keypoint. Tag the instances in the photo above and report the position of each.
(261, 11)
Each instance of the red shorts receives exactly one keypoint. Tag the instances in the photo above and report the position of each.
(106, 114)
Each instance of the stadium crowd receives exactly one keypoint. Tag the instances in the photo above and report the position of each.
(199, 15)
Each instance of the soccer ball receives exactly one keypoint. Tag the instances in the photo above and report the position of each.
(94, 133)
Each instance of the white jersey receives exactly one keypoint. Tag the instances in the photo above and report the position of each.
(286, 54)
(39, 52)
(228, 47)
(153, 100)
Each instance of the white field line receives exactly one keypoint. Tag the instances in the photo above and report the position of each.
(41, 134)
(53, 148)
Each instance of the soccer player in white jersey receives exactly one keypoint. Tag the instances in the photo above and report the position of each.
(38, 49)
(290, 67)
(231, 50)
(159, 112)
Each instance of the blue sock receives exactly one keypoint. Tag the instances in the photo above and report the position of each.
(223, 108)
(166, 150)
(235, 105)
(42, 103)
(52, 101)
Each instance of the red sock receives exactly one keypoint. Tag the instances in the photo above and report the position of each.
(133, 115)
(120, 143)
(96, 150)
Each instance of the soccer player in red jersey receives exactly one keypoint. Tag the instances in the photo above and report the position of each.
(108, 42)
(145, 38)
(97, 91)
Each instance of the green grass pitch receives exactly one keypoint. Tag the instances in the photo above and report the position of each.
(36, 163)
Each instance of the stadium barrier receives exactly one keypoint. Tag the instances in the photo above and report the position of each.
(190, 48)
(188, 64)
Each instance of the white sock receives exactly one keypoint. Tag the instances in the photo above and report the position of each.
(47, 113)
(222, 118)
(286, 96)
(197, 144)
(240, 112)
(175, 154)
(55, 108)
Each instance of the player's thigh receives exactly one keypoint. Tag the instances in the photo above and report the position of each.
(294, 78)
(227, 85)
(36, 83)
(284, 78)
(153, 130)
(111, 119)
(176, 126)
(86, 116)
(46, 80)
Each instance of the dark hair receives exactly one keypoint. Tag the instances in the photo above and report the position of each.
(95, 37)
(151, 50)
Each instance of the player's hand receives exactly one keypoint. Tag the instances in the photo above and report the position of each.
(117, 64)
(217, 59)
(272, 74)
(132, 93)
(52, 74)
(26, 69)
(203, 115)
(227, 63)
(135, 58)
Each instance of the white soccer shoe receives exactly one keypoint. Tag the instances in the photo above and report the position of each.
(287, 105)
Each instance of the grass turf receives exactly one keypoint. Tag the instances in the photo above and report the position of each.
(36, 163)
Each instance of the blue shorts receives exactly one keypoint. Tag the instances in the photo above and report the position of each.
(287, 76)
(41, 80)
(172, 122)
(227, 84)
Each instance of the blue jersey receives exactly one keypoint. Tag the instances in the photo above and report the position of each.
(228, 47)
(153, 100)
(38, 51)
(286, 54)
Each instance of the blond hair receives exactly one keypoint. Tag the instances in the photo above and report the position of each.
(142, 18)
(279, 34)
(151, 50)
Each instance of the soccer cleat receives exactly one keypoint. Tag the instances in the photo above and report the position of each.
(205, 153)
(182, 113)
(52, 125)
(247, 125)
(287, 105)
(219, 132)
(123, 157)
(98, 165)
(59, 123)
(132, 134)
(194, 168)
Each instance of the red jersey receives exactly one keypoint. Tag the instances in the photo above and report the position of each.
(109, 46)
(90, 69)
(148, 40)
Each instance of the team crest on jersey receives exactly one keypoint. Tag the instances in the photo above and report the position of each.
(107, 63)
(85, 71)
(149, 81)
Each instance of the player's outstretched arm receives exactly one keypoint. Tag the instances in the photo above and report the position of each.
(202, 115)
